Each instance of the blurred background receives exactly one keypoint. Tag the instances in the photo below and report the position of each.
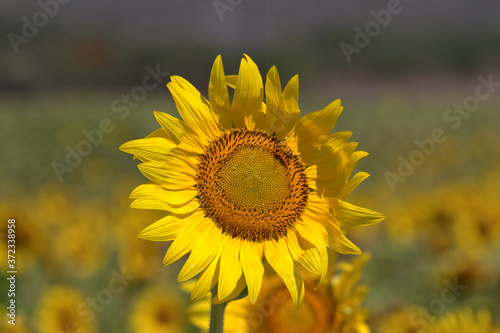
(420, 85)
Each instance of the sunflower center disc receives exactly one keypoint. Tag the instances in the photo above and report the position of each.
(253, 178)
(251, 186)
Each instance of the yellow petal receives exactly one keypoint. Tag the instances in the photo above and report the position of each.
(352, 184)
(160, 133)
(248, 95)
(206, 280)
(311, 261)
(180, 157)
(193, 108)
(278, 256)
(317, 236)
(350, 215)
(210, 275)
(337, 241)
(314, 128)
(293, 245)
(336, 144)
(230, 269)
(149, 149)
(231, 80)
(202, 255)
(333, 169)
(238, 289)
(178, 132)
(251, 263)
(219, 95)
(173, 198)
(273, 91)
(356, 156)
(161, 205)
(149, 204)
(183, 244)
(166, 228)
(273, 119)
(187, 208)
(330, 188)
(289, 107)
(171, 177)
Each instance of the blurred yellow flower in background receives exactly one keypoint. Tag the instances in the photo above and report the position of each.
(478, 217)
(246, 182)
(466, 269)
(333, 307)
(425, 217)
(29, 234)
(135, 256)
(464, 321)
(80, 242)
(158, 310)
(59, 311)
(462, 216)
(402, 321)
(19, 325)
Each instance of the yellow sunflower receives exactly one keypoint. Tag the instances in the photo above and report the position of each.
(246, 182)
(157, 310)
(59, 311)
(410, 319)
(469, 270)
(464, 321)
(12, 324)
(331, 308)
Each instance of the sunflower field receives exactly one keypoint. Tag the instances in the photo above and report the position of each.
(145, 183)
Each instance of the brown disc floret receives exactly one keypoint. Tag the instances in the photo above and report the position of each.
(251, 185)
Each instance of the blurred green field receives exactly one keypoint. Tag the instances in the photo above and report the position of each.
(442, 222)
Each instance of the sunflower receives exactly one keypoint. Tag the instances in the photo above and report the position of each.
(71, 242)
(246, 182)
(426, 217)
(469, 270)
(28, 234)
(8, 325)
(59, 311)
(157, 310)
(464, 321)
(332, 308)
(478, 231)
(410, 319)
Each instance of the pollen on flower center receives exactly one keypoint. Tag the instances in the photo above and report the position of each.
(251, 186)
(254, 178)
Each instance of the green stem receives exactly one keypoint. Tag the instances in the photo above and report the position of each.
(217, 318)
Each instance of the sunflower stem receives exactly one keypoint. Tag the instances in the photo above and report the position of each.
(217, 318)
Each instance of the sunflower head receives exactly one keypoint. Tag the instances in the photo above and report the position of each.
(464, 321)
(246, 182)
(59, 312)
(158, 310)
